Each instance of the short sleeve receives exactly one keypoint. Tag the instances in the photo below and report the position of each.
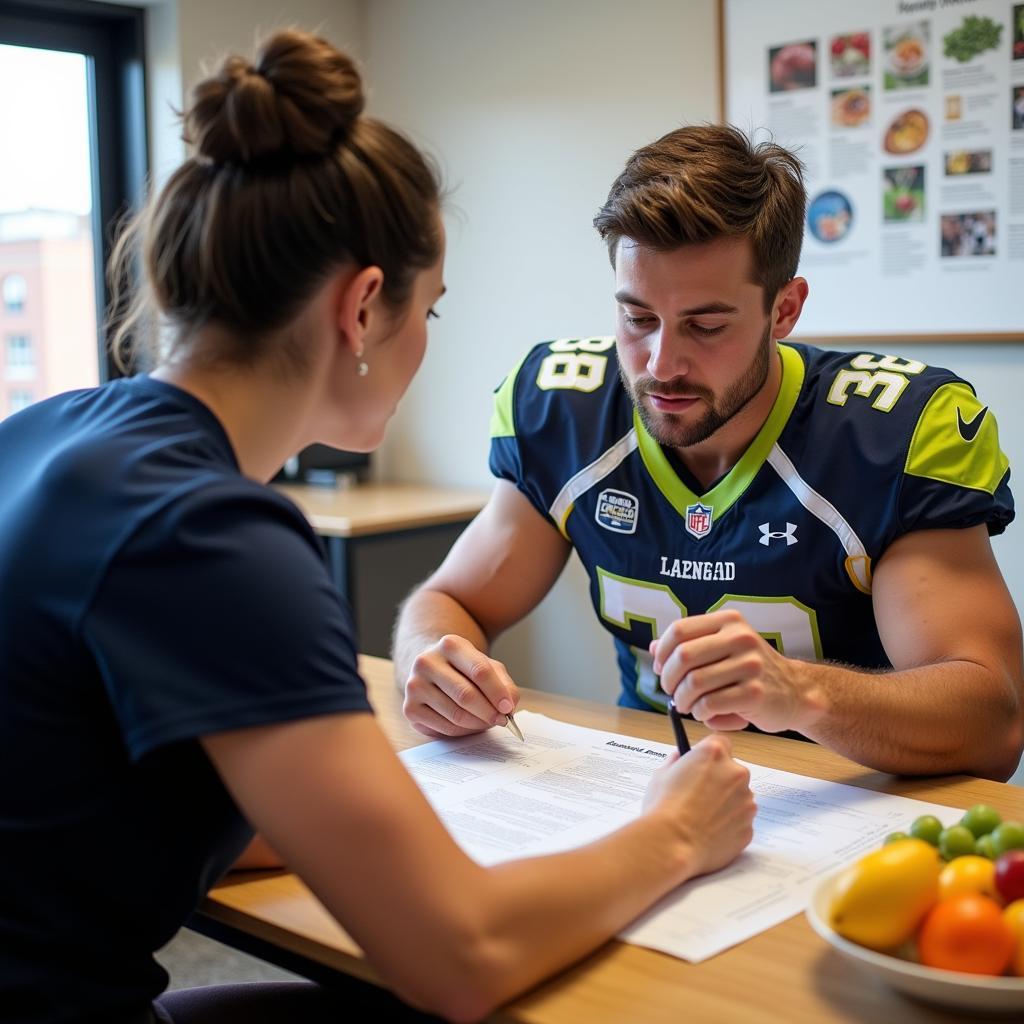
(219, 613)
(506, 462)
(558, 411)
(956, 474)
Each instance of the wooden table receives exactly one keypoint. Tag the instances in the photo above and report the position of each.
(786, 974)
(381, 540)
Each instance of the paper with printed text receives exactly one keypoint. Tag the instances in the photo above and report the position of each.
(569, 785)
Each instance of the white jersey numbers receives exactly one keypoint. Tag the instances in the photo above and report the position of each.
(787, 623)
(575, 364)
(886, 375)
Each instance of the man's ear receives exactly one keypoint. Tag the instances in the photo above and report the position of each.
(358, 307)
(789, 303)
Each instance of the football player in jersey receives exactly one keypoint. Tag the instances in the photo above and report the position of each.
(775, 535)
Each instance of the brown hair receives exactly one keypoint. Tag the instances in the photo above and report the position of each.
(287, 182)
(703, 182)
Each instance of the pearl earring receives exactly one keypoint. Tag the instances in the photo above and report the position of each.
(361, 368)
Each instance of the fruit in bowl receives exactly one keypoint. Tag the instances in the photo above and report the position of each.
(880, 900)
(932, 914)
(972, 994)
(967, 933)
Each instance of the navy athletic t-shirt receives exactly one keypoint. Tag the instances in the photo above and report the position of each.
(150, 594)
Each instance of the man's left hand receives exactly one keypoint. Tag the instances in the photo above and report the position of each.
(719, 669)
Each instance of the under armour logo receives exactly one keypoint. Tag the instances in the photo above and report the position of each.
(768, 535)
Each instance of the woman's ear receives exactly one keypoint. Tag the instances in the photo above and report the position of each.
(359, 307)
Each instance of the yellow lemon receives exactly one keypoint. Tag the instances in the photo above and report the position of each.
(879, 901)
(1013, 915)
(970, 874)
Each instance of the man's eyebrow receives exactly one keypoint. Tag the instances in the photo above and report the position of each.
(706, 309)
(630, 299)
(709, 307)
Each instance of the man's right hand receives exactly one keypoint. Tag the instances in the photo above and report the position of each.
(707, 795)
(454, 689)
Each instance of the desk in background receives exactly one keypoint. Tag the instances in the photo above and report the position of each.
(786, 974)
(383, 539)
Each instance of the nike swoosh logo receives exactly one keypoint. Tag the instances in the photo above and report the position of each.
(969, 428)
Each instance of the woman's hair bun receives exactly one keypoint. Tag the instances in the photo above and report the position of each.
(300, 99)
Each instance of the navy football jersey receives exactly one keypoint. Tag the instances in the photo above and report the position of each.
(858, 449)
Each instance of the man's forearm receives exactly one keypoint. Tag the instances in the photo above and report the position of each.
(425, 617)
(957, 716)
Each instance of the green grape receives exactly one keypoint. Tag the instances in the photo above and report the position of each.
(1008, 836)
(894, 837)
(927, 827)
(956, 841)
(981, 819)
(985, 847)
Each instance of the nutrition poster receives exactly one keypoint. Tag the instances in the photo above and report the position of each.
(909, 117)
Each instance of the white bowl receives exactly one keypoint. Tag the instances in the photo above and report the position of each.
(963, 991)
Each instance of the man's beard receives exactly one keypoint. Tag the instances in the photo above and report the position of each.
(663, 427)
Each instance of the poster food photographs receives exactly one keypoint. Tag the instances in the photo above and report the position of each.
(909, 118)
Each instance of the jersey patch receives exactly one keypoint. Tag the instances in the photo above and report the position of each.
(617, 511)
(698, 519)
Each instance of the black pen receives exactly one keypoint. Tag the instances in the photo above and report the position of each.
(677, 727)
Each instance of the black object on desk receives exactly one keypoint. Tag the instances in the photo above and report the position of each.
(323, 466)
(682, 740)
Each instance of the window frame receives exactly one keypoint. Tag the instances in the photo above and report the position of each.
(113, 38)
(11, 348)
(14, 307)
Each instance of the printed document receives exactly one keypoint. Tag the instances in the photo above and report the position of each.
(568, 785)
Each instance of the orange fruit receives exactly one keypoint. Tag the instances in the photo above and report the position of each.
(966, 933)
(1013, 915)
(966, 875)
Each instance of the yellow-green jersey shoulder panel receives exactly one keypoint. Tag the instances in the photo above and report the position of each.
(562, 367)
(503, 412)
(956, 441)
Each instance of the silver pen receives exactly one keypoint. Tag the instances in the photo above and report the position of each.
(510, 724)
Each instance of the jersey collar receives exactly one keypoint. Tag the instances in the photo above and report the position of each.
(728, 490)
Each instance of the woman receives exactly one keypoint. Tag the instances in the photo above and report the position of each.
(176, 668)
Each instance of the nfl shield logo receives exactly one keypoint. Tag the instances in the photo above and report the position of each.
(698, 520)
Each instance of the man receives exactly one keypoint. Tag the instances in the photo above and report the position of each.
(775, 535)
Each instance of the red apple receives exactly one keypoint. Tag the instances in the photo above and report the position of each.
(1010, 875)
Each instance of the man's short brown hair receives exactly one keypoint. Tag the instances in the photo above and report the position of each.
(703, 182)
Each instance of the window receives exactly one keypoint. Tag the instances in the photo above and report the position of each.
(72, 93)
(14, 291)
(20, 358)
(18, 400)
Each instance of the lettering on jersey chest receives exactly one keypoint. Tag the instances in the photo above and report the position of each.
(688, 569)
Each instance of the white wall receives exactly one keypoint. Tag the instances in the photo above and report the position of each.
(187, 38)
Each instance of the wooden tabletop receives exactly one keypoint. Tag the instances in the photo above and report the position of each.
(381, 508)
(787, 974)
